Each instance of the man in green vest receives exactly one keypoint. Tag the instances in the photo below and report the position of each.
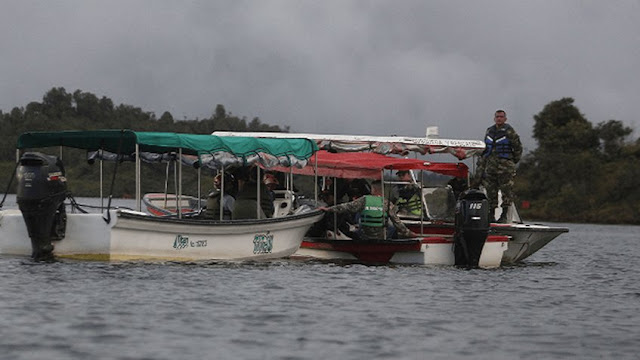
(373, 211)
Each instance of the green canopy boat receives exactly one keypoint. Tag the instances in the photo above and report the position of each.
(120, 234)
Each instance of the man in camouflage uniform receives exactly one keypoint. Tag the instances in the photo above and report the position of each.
(497, 164)
(379, 208)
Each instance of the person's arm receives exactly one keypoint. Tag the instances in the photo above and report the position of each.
(516, 145)
(401, 228)
(354, 206)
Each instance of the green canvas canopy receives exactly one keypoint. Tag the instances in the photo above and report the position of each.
(219, 149)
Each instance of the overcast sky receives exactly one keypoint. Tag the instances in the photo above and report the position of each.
(348, 67)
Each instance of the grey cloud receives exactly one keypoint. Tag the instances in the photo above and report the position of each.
(371, 67)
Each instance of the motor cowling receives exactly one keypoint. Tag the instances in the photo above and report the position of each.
(472, 227)
(42, 189)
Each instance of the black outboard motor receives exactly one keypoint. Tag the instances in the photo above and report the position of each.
(472, 227)
(42, 188)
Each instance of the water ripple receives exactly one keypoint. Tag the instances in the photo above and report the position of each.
(577, 298)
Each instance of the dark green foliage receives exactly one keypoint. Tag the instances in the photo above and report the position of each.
(60, 110)
(579, 173)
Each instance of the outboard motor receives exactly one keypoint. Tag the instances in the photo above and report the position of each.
(472, 227)
(42, 188)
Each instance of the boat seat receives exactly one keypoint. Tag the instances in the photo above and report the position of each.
(283, 203)
(440, 203)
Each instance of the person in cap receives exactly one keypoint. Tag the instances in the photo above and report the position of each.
(408, 193)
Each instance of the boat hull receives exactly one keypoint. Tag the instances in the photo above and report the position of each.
(130, 235)
(524, 239)
(433, 250)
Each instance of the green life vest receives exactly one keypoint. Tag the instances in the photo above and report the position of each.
(373, 213)
(412, 205)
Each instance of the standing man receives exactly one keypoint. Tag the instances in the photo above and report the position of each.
(497, 164)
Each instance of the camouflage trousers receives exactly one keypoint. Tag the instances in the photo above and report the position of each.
(499, 177)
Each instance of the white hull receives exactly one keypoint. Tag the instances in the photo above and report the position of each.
(442, 254)
(136, 236)
(431, 251)
(526, 239)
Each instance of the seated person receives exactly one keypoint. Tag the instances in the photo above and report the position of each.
(212, 210)
(373, 211)
(270, 183)
(341, 222)
(408, 194)
(246, 205)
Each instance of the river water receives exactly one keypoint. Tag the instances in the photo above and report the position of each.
(577, 298)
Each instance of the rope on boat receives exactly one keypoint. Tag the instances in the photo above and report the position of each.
(9, 186)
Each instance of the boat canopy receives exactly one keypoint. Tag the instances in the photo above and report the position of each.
(221, 150)
(370, 165)
(400, 145)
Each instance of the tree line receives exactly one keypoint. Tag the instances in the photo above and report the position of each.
(579, 172)
(61, 110)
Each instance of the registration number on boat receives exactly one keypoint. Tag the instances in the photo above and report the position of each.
(182, 242)
(263, 243)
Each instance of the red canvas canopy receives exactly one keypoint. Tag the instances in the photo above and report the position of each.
(353, 165)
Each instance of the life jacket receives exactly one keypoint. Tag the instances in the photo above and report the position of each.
(412, 204)
(373, 213)
(497, 141)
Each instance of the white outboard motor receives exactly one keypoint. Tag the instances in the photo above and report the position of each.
(472, 227)
(42, 188)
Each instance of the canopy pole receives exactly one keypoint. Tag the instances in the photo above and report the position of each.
(335, 202)
(138, 179)
(315, 179)
(166, 182)
(221, 197)
(384, 213)
(259, 181)
(113, 178)
(175, 185)
(422, 202)
(101, 183)
(199, 189)
(180, 183)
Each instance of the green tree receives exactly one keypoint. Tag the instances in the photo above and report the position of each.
(578, 172)
(612, 134)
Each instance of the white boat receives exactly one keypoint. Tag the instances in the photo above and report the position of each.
(43, 229)
(432, 246)
(163, 204)
(525, 239)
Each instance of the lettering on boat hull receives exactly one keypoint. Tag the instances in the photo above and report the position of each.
(263, 243)
(182, 242)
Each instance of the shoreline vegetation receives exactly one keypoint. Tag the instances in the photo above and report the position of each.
(579, 173)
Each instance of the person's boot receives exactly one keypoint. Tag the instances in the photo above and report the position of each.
(503, 216)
